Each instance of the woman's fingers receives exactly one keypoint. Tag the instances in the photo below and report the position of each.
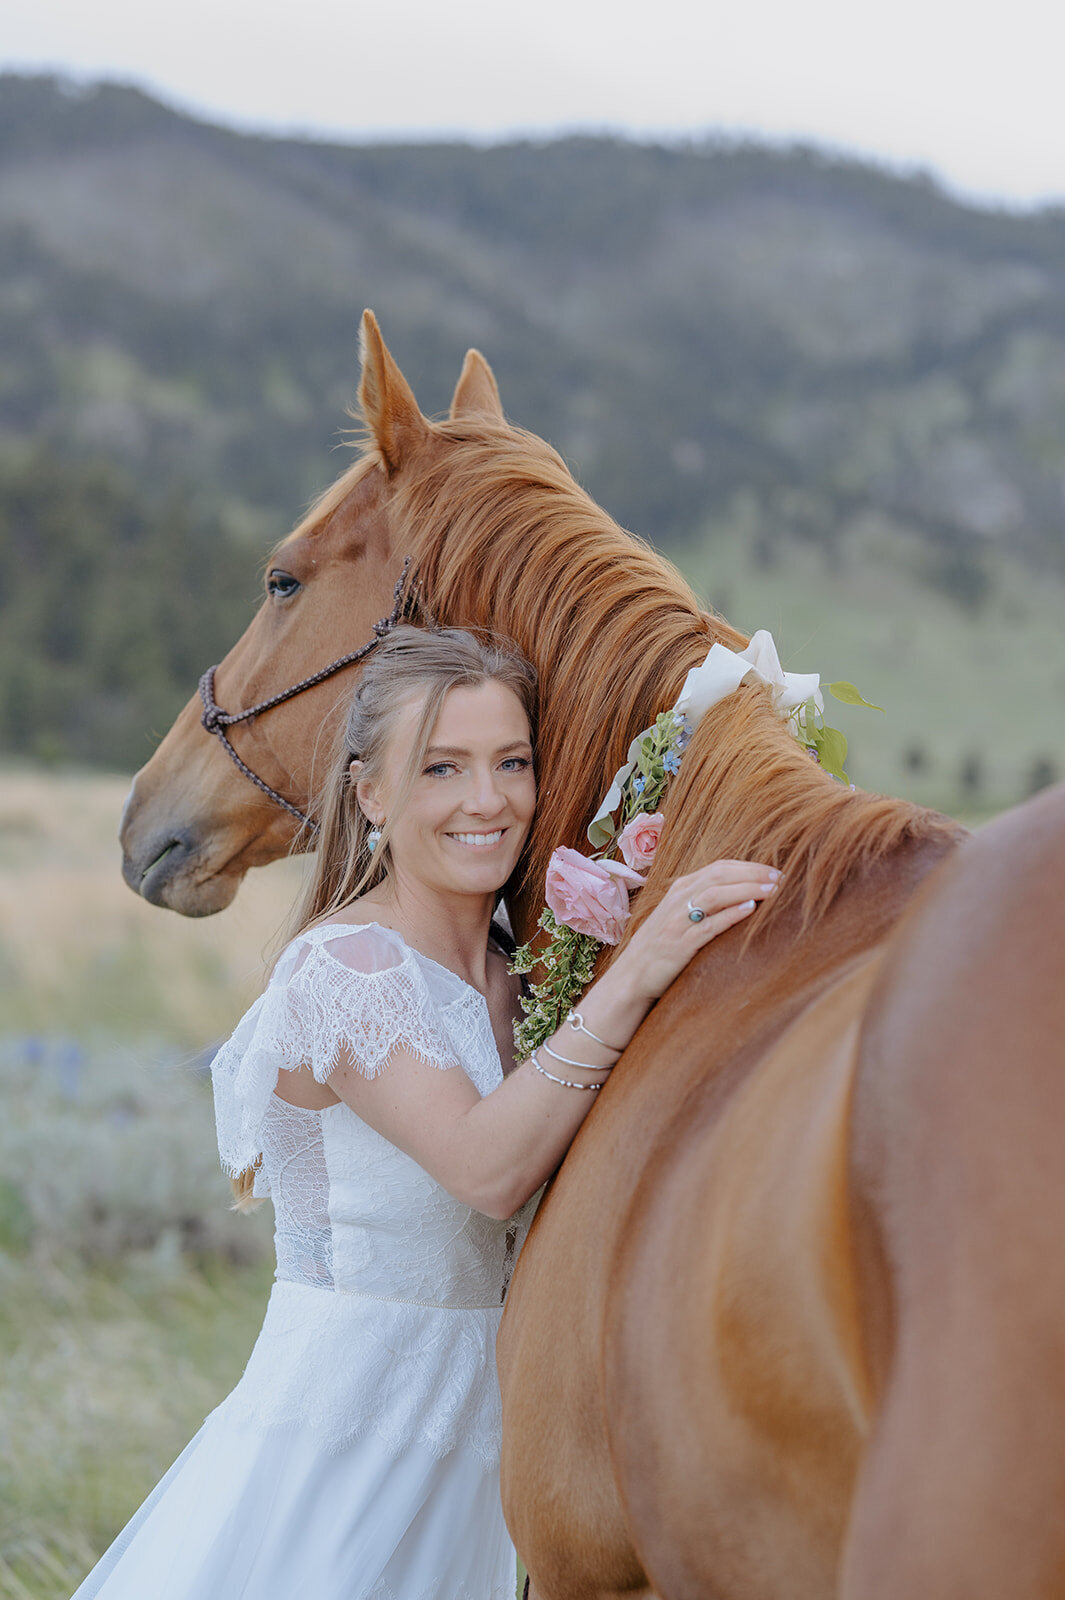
(694, 910)
(732, 872)
(721, 885)
(719, 921)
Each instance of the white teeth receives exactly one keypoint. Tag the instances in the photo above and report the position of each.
(477, 839)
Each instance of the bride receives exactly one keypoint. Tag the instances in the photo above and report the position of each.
(371, 1094)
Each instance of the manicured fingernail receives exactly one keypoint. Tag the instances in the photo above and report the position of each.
(774, 874)
(769, 888)
(748, 905)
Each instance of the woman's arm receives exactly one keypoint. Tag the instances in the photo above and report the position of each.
(494, 1153)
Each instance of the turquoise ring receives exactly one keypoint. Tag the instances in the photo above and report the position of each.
(695, 913)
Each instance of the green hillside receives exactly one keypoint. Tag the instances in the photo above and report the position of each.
(824, 370)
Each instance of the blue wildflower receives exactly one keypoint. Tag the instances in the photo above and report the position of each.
(672, 761)
(639, 783)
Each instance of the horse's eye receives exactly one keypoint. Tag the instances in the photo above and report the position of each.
(280, 584)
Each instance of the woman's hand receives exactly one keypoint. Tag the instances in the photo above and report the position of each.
(725, 892)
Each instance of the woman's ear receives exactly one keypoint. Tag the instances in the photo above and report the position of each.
(365, 793)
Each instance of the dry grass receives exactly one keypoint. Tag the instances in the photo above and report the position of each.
(79, 953)
(130, 1295)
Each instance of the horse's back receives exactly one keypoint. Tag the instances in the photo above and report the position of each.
(959, 1190)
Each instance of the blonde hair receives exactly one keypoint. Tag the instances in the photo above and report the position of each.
(410, 663)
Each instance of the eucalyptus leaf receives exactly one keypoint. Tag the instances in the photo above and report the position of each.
(601, 831)
(832, 749)
(849, 695)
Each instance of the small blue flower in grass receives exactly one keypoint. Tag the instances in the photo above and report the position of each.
(672, 761)
(639, 783)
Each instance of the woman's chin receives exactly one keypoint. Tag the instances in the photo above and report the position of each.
(485, 877)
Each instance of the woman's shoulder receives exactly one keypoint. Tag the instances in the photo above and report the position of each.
(362, 946)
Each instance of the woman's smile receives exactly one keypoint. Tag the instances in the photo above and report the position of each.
(464, 821)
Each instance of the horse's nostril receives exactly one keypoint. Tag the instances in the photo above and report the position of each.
(175, 844)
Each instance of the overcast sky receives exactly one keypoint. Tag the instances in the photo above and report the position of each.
(971, 92)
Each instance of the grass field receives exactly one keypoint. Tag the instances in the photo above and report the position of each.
(108, 1370)
(81, 954)
(973, 696)
(130, 1295)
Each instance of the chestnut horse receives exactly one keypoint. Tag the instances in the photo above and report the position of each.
(790, 1322)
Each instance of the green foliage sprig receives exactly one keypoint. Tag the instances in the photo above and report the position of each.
(827, 745)
(569, 957)
(568, 961)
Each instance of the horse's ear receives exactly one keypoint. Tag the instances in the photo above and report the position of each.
(386, 399)
(476, 394)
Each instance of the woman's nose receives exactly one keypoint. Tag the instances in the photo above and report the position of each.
(486, 796)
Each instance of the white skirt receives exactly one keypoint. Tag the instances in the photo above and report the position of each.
(270, 1513)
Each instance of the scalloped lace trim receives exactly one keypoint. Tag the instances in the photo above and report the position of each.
(314, 1006)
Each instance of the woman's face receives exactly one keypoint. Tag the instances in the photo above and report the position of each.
(471, 806)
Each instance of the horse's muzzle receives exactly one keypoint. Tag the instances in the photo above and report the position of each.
(153, 865)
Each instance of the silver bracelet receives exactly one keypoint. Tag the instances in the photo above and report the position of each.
(565, 1082)
(567, 1061)
(577, 1023)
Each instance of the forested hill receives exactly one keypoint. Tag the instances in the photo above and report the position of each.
(716, 336)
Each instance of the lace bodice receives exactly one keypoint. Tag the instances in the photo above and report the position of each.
(354, 1213)
(389, 1291)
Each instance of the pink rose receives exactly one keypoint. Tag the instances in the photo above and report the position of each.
(638, 840)
(589, 896)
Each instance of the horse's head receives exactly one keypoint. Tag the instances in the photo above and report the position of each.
(193, 823)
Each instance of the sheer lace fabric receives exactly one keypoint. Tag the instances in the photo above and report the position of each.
(384, 1316)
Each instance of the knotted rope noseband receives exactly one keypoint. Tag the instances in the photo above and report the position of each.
(216, 721)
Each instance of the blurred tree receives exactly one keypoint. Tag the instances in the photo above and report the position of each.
(110, 607)
(1042, 773)
(971, 775)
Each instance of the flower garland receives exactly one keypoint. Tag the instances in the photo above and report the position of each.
(588, 896)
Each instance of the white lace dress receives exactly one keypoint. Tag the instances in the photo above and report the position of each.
(358, 1456)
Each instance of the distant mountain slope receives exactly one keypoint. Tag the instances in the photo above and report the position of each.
(685, 323)
(778, 348)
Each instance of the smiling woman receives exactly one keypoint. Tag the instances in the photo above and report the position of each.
(372, 1094)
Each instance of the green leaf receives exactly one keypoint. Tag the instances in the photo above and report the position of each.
(601, 832)
(832, 750)
(848, 694)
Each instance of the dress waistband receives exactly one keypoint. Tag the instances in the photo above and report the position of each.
(401, 1300)
(389, 1299)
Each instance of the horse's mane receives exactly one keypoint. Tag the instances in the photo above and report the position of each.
(503, 538)
(747, 790)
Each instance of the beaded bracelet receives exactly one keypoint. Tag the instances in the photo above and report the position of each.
(565, 1082)
(577, 1023)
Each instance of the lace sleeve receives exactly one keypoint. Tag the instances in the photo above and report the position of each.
(356, 989)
